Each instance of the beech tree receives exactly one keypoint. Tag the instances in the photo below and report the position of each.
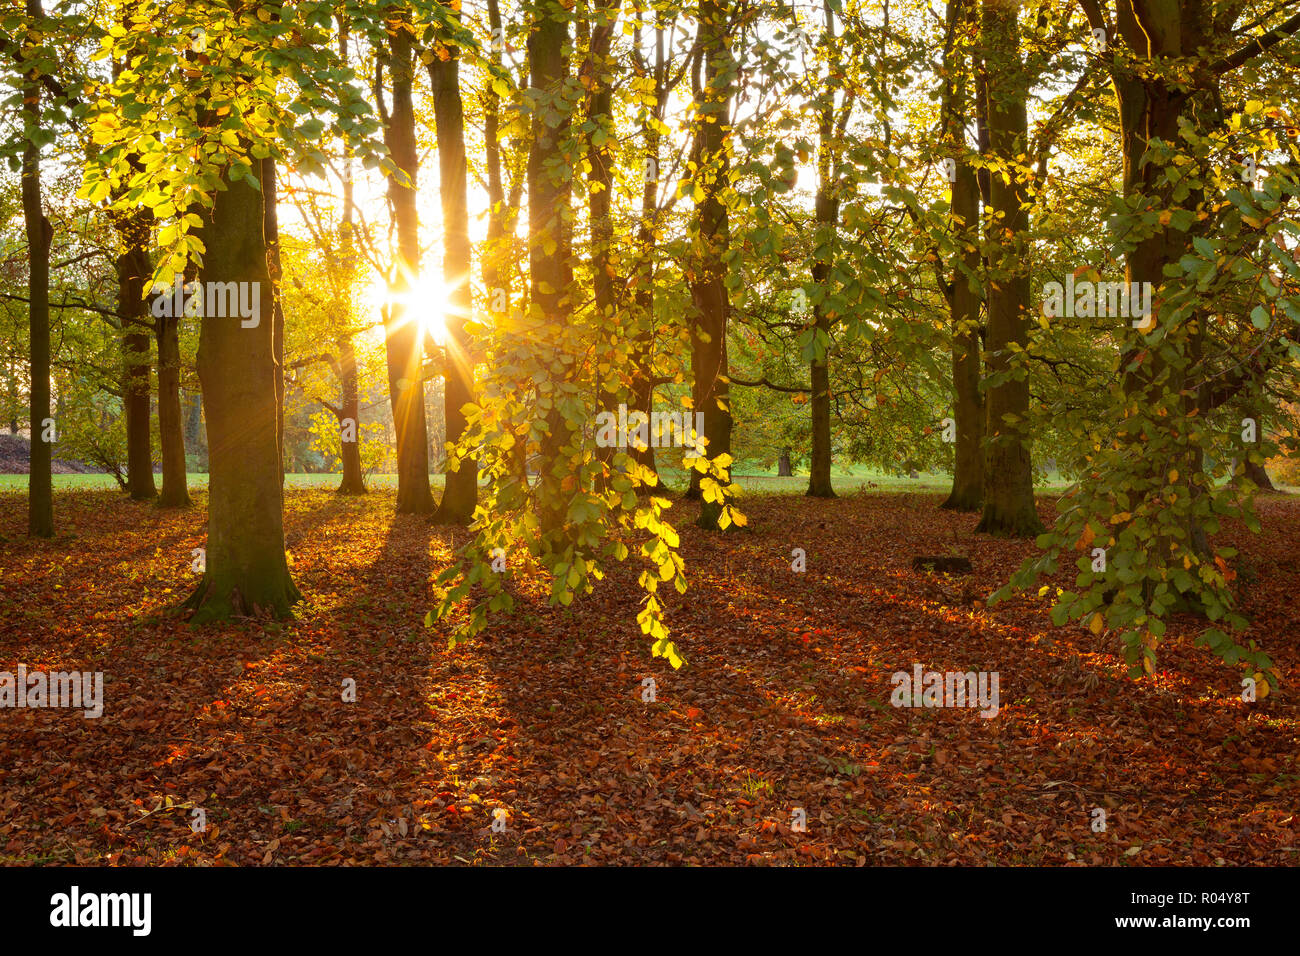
(963, 285)
(405, 374)
(710, 299)
(461, 490)
(1008, 472)
(203, 170)
(40, 487)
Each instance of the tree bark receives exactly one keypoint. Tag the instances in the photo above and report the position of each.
(783, 468)
(1008, 476)
(171, 431)
(827, 215)
(403, 345)
(548, 245)
(195, 436)
(460, 494)
(643, 382)
(709, 299)
(40, 483)
(967, 492)
(246, 572)
(600, 182)
(1154, 105)
(1259, 475)
(271, 229)
(133, 271)
(353, 483)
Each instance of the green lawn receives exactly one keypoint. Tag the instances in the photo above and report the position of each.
(198, 480)
(845, 481)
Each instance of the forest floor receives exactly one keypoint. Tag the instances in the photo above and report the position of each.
(784, 705)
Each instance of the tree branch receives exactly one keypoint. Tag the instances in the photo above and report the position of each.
(764, 382)
(1256, 46)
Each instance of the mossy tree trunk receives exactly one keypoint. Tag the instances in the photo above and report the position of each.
(709, 299)
(133, 271)
(550, 275)
(246, 573)
(1009, 509)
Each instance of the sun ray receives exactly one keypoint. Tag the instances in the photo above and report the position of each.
(427, 303)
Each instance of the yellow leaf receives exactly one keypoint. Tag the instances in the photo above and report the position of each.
(1097, 622)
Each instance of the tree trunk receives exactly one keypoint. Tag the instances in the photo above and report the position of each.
(596, 70)
(246, 568)
(498, 251)
(783, 468)
(708, 328)
(967, 492)
(403, 345)
(1254, 471)
(819, 476)
(827, 214)
(271, 229)
(548, 208)
(1008, 476)
(195, 436)
(133, 271)
(1257, 473)
(40, 484)
(643, 383)
(1153, 106)
(171, 432)
(460, 495)
(353, 482)
(601, 177)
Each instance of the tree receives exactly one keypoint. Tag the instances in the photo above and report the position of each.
(830, 130)
(134, 269)
(710, 234)
(246, 570)
(1149, 502)
(405, 376)
(271, 234)
(133, 272)
(40, 488)
(647, 236)
(1008, 472)
(460, 494)
(549, 270)
(962, 293)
